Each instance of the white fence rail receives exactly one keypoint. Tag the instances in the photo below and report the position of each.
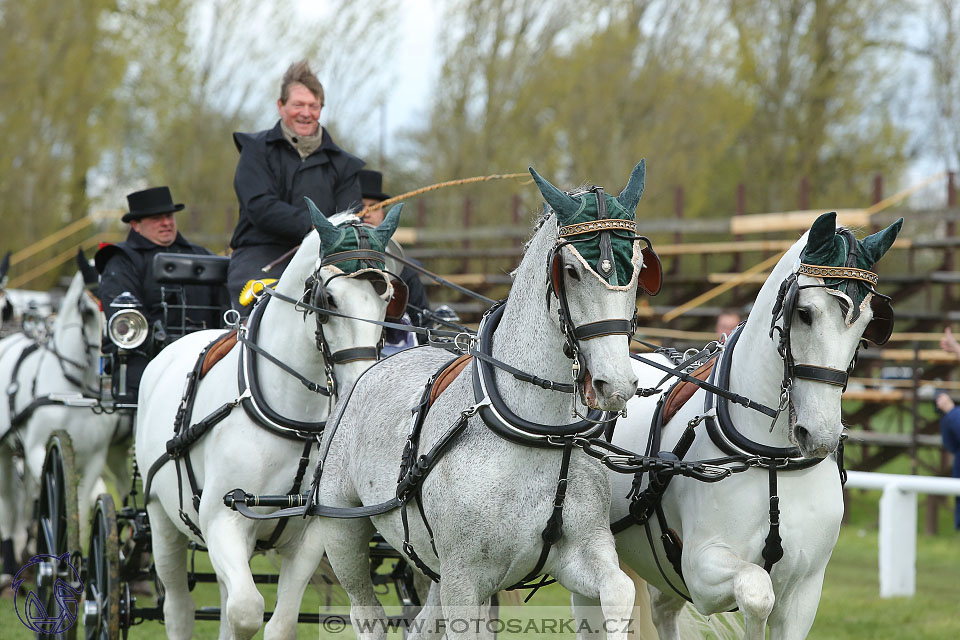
(898, 523)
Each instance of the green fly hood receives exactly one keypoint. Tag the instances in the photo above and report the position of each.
(349, 244)
(600, 228)
(843, 263)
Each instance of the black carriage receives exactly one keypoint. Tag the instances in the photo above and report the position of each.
(118, 552)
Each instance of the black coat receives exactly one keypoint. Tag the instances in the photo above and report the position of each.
(272, 180)
(128, 266)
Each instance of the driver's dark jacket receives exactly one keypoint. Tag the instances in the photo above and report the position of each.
(128, 266)
(271, 182)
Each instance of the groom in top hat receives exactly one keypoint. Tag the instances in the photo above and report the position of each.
(128, 267)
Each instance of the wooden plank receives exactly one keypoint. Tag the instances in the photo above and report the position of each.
(865, 437)
(875, 395)
(794, 220)
(906, 384)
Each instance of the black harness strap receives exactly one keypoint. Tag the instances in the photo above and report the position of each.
(269, 543)
(554, 530)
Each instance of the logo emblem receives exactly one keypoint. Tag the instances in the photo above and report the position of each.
(67, 593)
(605, 266)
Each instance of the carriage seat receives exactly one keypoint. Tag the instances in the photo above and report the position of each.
(683, 391)
(217, 351)
(178, 268)
(447, 376)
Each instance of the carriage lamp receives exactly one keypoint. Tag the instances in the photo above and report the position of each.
(128, 327)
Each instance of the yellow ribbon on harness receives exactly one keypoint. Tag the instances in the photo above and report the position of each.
(247, 294)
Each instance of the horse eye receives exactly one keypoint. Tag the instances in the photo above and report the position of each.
(572, 272)
(805, 315)
(330, 302)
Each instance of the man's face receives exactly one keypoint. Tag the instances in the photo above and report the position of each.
(301, 113)
(374, 216)
(726, 323)
(160, 229)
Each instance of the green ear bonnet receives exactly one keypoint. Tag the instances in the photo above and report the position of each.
(844, 263)
(350, 237)
(600, 228)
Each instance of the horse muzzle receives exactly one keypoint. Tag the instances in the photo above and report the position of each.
(607, 395)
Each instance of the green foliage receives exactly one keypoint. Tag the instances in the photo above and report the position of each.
(712, 95)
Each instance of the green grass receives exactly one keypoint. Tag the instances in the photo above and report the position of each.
(850, 606)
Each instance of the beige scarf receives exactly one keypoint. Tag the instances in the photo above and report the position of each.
(305, 145)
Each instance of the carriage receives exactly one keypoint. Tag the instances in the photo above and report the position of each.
(600, 391)
(117, 552)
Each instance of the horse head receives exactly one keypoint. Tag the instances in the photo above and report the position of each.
(826, 305)
(593, 270)
(79, 322)
(350, 278)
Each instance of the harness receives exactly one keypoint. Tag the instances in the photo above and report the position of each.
(315, 299)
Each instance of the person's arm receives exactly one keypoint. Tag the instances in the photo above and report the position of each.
(950, 430)
(346, 192)
(256, 192)
(949, 343)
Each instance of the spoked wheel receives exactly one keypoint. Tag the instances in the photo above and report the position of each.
(101, 608)
(59, 588)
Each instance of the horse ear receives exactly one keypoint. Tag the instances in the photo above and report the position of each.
(5, 266)
(630, 196)
(385, 230)
(820, 246)
(878, 243)
(566, 206)
(330, 235)
(90, 275)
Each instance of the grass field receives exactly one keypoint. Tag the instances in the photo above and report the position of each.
(849, 608)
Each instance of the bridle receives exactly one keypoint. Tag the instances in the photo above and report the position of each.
(372, 267)
(602, 229)
(877, 331)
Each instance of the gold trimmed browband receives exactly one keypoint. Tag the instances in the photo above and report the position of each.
(848, 273)
(598, 225)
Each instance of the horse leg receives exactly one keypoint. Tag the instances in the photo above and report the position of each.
(587, 615)
(348, 549)
(463, 604)
(230, 549)
(298, 562)
(427, 626)
(12, 532)
(594, 571)
(714, 573)
(90, 485)
(170, 561)
(666, 610)
(793, 616)
(224, 632)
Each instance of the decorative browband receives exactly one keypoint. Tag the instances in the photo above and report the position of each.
(847, 273)
(597, 225)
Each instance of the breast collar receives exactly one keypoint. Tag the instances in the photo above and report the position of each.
(253, 402)
(500, 418)
(723, 432)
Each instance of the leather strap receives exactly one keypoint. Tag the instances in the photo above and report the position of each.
(603, 328)
(828, 375)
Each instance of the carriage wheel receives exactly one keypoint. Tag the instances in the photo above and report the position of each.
(58, 537)
(101, 607)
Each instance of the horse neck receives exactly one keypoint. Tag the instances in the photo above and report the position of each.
(756, 371)
(529, 338)
(285, 334)
(69, 336)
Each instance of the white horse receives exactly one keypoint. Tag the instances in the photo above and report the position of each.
(722, 526)
(66, 366)
(239, 451)
(489, 499)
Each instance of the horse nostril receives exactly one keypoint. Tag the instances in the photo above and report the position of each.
(801, 432)
(602, 387)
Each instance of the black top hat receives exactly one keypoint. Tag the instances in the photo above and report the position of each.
(150, 202)
(371, 185)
